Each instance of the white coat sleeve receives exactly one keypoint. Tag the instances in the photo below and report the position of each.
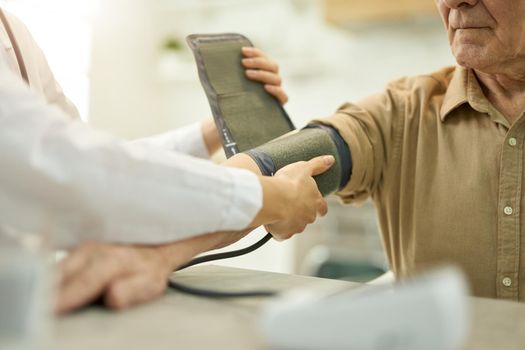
(60, 176)
(188, 140)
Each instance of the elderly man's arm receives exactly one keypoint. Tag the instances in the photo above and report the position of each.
(127, 275)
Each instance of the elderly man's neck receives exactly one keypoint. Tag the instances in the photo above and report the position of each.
(505, 92)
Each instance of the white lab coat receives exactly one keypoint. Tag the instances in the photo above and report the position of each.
(58, 175)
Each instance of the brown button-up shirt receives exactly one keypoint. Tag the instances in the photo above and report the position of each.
(445, 170)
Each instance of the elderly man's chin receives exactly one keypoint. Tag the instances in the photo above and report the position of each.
(472, 53)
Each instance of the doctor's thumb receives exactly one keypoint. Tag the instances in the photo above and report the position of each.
(320, 164)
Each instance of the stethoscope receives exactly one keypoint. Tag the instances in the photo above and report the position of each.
(16, 48)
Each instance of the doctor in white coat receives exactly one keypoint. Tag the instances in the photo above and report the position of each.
(60, 175)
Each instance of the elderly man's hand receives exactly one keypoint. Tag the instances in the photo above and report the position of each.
(126, 275)
(123, 275)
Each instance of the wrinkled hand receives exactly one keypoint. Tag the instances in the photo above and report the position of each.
(304, 201)
(123, 275)
(127, 275)
(262, 69)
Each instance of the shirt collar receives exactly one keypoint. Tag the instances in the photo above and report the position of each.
(464, 88)
(456, 94)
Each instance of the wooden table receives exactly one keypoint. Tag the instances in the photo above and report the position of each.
(178, 321)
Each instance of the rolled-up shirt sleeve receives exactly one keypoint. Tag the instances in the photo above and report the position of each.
(60, 176)
(372, 130)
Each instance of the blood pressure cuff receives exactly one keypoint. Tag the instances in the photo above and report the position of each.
(313, 141)
(245, 114)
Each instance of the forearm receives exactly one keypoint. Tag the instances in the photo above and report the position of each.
(243, 161)
(65, 177)
(126, 275)
(275, 193)
(179, 253)
(210, 135)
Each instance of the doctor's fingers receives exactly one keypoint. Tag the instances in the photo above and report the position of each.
(321, 164)
(264, 77)
(261, 63)
(286, 230)
(277, 92)
(294, 225)
(272, 83)
(135, 289)
(249, 51)
(322, 207)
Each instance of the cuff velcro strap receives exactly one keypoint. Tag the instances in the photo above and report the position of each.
(245, 114)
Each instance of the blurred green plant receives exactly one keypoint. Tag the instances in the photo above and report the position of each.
(172, 44)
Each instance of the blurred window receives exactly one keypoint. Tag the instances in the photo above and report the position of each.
(62, 28)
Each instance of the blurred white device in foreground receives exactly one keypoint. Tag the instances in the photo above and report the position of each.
(426, 313)
(24, 299)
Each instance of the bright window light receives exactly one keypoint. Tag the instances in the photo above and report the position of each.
(62, 28)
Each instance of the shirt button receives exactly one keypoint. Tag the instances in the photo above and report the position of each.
(513, 142)
(508, 210)
(507, 282)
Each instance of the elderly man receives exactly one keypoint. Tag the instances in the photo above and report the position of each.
(442, 154)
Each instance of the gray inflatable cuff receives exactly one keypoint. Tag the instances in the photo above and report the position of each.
(313, 141)
(245, 114)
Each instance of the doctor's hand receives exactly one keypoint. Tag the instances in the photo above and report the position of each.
(303, 200)
(262, 69)
(259, 68)
(291, 199)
